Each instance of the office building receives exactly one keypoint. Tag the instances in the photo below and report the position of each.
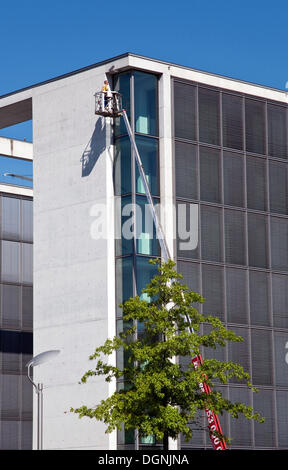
(215, 154)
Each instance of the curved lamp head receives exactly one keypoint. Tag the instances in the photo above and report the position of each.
(42, 357)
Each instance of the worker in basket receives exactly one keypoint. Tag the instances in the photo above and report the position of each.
(106, 97)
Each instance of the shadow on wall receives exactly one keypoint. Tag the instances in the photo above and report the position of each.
(94, 148)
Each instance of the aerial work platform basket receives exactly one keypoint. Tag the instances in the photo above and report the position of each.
(108, 104)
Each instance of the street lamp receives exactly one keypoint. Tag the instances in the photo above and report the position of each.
(35, 361)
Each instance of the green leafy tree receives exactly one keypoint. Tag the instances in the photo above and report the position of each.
(161, 397)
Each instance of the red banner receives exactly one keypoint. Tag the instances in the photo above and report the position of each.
(213, 421)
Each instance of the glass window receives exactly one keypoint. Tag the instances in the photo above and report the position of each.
(256, 184)
(9, 435)
(27, 220)
(211, 233)
(122, 85)
(277, 131)
(236, 287)
(27, 263)
(213, 290)
(148, 150)
(10, 261)
(26, 435)
(280, 300)
(209, 116)
(11, 311)
(124, 223)
(255, 126)
(10, 218)
(279, 243)
(240, 352)
(259, 298)
(122, 166)
(16, 171)
(281, 358)
(261, 343)
(235, 252)
(186, 170)
(233, 179)
(145, 271)
(185, 110)
(10, 385)
(257, 240)
(27, 307)
(145, 96)
(124, 281)
(278, 189)
(282, 418)
(210, 175)
(264, 432)
(232, 121)
(240, 428)
(146, 239)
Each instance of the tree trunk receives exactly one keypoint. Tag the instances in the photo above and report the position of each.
(166, 442)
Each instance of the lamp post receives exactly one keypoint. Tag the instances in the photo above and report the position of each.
(35, 361)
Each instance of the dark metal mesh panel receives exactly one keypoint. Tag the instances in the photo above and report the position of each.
(239, 352)
(233, 179)
(9, 435)
(234, 237)
(277, 130)
(212, 290)
(281, 358)
(210, 176)
(232, 112)
(185, 110)
(185, 227)
(261, 357)
(186, 170)
(256, 183)
(259, 298)
(280, 300)
(190, 273)
(209, 116)
(241, 428)
(279, 243)
(257, 240)
(211, 233)
(278, 188)
(282, 418)
(11, 310)
(10, 394)
(255, 126)
(237, 300)
(264, 432)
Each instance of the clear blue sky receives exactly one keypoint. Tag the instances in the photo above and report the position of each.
(244, 39)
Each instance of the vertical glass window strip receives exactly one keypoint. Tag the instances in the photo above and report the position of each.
(259, 298)
(282, 418)
(122, 85)
(233, 179)
(27, 263)
(186, 170)
(210, 175)
(122, 166)
(281, 358)
(256, 183)
(146, 239)
(257, 240)
(27, 307)
(187, 239)
(232, 121)
(27, 220)
(261, 344)
(124, 211)
(280, 300)
(235, 246)
(124, 281)
(211, 233)
(144, 273)
(148, 150)
(185, 111)
(11, 310)
(237, 299)
(264, 432)
(278, 187)
(279, 243)
(10, 261)
(213, 290)
(209, 116)
(255, 126)
(240, 428)
(145, 96)
(277, 130)
(10, 218)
